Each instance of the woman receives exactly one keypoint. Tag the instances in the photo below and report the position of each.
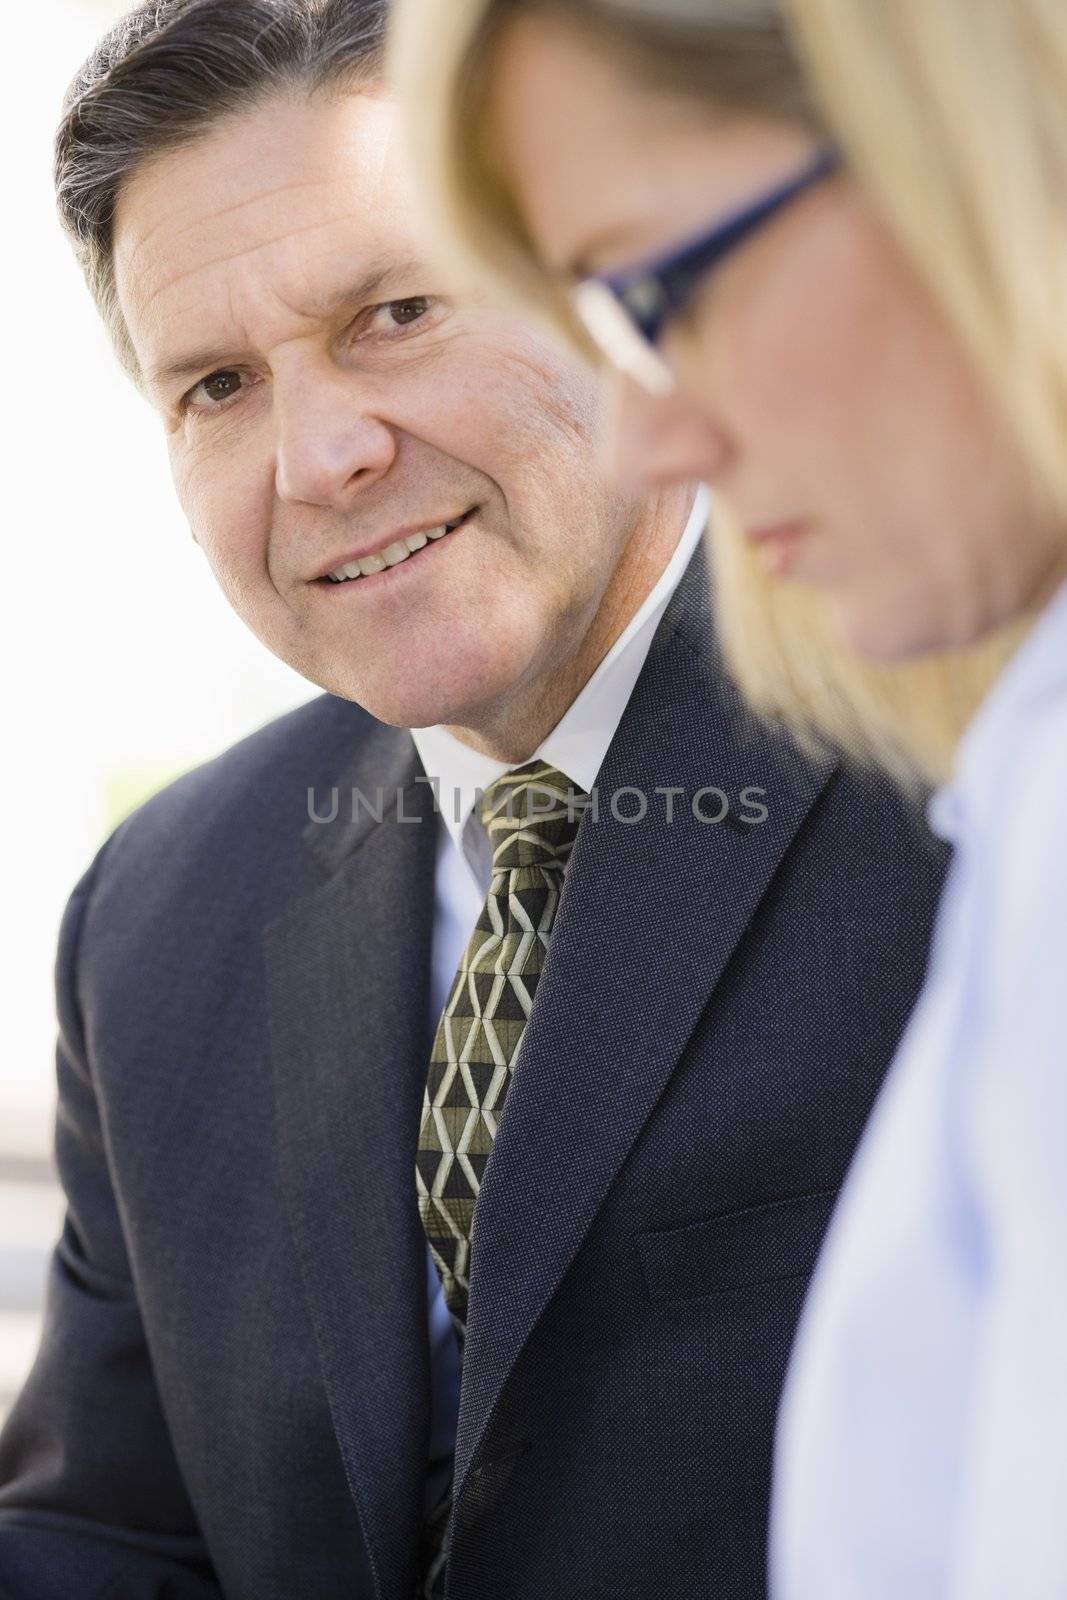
(828, 241)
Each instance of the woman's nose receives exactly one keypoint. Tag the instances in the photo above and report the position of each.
(648, 440)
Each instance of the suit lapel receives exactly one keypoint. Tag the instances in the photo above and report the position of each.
(649, 917)
(348, 985)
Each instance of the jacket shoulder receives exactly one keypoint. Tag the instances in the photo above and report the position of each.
(252, 783)
(227, 835)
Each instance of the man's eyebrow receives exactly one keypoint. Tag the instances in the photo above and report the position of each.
(208, 359)
(188, 366)
(373, 282)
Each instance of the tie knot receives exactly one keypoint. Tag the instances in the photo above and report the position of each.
(531, 815)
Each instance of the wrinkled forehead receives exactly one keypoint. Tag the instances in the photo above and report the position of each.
(273, 200)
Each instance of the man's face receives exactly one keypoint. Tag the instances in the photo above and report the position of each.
(326, 395)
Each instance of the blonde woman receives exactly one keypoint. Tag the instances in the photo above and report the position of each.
(825, 244)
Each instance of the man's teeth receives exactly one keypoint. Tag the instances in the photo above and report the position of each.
(391, 556)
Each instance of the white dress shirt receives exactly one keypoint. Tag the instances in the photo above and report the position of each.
(922, 1442)
(577, 746)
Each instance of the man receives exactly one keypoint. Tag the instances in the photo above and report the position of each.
(249, 1382)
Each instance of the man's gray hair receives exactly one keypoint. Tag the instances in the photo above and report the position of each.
(170, 71)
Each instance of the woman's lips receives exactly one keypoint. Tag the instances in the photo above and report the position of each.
(778, 545)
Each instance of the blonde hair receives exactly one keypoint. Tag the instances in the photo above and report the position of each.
(951, 115)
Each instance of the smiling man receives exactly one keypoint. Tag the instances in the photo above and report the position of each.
(395, 490)
(455, 1076)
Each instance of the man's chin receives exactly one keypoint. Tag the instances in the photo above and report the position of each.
(466, 679)
(411, 708)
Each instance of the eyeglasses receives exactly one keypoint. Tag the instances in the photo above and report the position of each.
(625, 313)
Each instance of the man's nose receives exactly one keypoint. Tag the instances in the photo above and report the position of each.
(648, 441)
(330, 443)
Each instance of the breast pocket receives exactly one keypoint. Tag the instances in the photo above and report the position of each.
(736, 1249)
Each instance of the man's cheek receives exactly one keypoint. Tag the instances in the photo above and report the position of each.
(223, 541)
(221, 518)
(190, 490)
(237, 562)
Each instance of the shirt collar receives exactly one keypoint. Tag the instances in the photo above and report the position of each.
(578, 743)
(1037, 670)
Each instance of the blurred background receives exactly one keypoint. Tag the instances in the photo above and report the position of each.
(121, 665)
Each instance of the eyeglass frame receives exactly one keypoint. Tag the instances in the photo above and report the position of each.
(625, 313)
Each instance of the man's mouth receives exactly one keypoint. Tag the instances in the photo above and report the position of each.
(399, 551)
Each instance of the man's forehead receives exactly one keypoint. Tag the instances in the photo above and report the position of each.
(284, 154)
(309, 193)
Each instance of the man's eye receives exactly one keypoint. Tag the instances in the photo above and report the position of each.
(396, 315)
(404, 312)
(220, 386)
(212, 392)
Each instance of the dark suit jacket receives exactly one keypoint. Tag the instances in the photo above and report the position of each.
(232, 1391)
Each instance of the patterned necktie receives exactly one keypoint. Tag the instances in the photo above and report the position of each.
(531, 815)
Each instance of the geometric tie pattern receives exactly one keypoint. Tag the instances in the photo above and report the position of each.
(531, 815)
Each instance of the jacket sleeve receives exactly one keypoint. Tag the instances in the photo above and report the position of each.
(92, 1501)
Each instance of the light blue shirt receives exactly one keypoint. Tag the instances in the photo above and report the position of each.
(577, 746)
(922, 1441)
